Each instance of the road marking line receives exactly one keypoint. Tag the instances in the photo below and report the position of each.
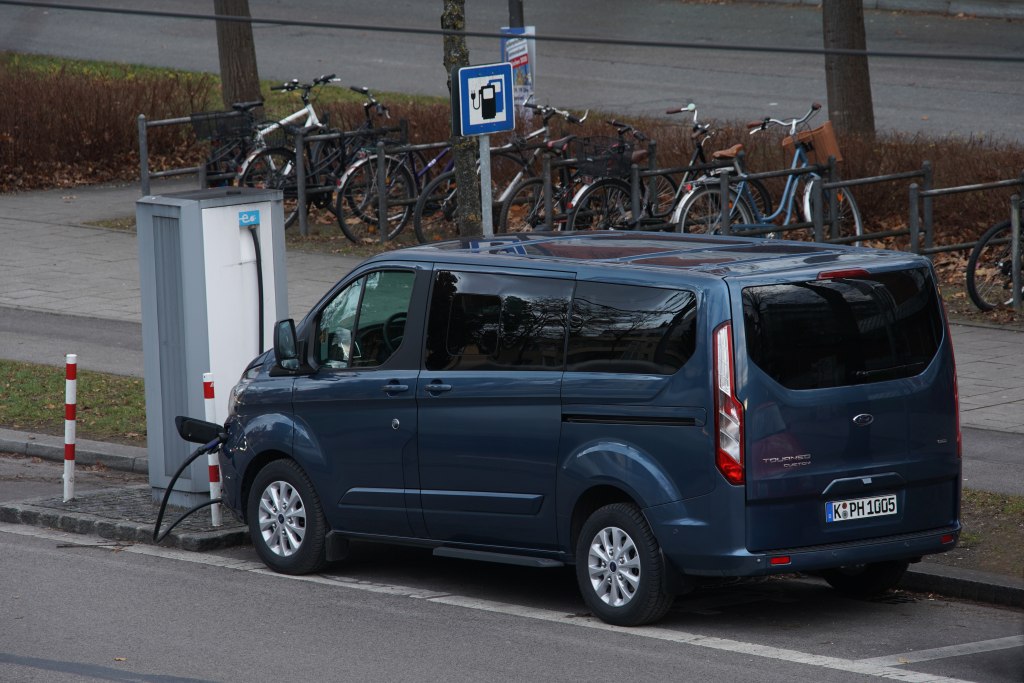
(948, 651)
(867, 667)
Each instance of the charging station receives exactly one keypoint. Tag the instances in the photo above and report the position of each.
(213, 283)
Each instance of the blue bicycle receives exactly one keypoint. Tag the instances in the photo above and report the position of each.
(700, 211)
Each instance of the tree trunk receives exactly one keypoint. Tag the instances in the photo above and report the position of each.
(456, 54)
(240, 79)
(847, 79)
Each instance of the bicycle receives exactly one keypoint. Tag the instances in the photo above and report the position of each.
(511, 165)
(607, 204)
(271, 162)
(357, 184)
(990, 268)
(701, 209)
(230, 136)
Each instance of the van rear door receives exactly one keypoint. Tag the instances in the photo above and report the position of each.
(851, 429)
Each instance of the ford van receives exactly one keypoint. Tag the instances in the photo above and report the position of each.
(650, 408)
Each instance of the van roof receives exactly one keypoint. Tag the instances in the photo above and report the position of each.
(711, 255)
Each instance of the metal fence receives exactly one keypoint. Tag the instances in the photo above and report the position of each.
(920, 229)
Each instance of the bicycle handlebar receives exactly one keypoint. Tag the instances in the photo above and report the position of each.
(624, 128)
(295, 85)
(757, 126)
(547, 113)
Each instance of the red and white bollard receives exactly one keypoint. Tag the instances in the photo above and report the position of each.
(70, 416)
(211, 457)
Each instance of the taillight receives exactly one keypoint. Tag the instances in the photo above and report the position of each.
(841, 274)
(728, 411)
(956, 388)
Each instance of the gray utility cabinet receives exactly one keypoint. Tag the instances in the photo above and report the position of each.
(201, 302)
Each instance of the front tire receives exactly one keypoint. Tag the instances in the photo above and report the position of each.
(286, 519)
(605, 205)
(866, 580)
(619, 567)
(850, 223)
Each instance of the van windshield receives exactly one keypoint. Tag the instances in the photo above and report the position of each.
(854, 330)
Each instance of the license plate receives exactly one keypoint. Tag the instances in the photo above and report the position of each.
(860, 508)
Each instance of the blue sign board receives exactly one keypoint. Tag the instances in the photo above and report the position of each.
(482, 99)
(248, 218)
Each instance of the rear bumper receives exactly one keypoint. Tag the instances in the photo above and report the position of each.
(696, 550)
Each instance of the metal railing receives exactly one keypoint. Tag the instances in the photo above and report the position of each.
(145, 175)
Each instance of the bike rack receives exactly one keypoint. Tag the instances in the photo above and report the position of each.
(145, 175)
(916, 197)
(301, 140)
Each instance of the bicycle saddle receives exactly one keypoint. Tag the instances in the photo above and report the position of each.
(638, 155)
(728, 153)
(560, 144)
(246, 106)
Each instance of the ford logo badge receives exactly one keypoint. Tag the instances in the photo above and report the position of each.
(863, 420)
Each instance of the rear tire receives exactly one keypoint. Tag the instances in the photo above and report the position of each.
(990, 269)
(866, 580)
(274, 169)
(619, 567)
(434, 217)
(702, 211)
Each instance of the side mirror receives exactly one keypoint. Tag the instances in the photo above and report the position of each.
(285, 345)
(197, 431)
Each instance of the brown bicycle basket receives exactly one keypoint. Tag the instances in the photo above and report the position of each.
(819, 144)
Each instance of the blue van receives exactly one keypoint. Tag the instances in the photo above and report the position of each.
(651, 408)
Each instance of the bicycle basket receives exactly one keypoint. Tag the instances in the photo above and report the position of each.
(819, 144)
(602, 157)
(221, 125)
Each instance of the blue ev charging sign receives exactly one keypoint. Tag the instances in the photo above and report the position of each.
(482, 99)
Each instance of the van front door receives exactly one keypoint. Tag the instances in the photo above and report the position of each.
(357, 413)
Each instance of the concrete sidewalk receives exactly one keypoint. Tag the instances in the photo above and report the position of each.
(54, 263)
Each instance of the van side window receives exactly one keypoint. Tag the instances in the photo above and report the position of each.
(631, 329)
(365, 323)
(487, 321)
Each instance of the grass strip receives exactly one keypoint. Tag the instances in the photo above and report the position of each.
(110, 407)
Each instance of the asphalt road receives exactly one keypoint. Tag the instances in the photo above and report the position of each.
(930, 96)
(79, 609)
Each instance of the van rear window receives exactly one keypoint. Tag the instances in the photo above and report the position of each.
(856, 330)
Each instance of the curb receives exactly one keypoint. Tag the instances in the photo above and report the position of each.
(110, 455)
(964, 583)
(75, 517)
(983, 9)
(72, 517)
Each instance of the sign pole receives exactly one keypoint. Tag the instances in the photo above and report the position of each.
(486, 209)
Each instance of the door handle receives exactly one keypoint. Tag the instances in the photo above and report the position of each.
(394, 388)
(438, 388)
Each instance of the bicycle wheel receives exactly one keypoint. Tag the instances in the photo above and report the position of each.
(524, 209)
(665, 187)
(849, 223)
(357, 200)
(274, 169)
(990, 269)
(761, 197)
(605, 205)
(701, 211)
(435, 212)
